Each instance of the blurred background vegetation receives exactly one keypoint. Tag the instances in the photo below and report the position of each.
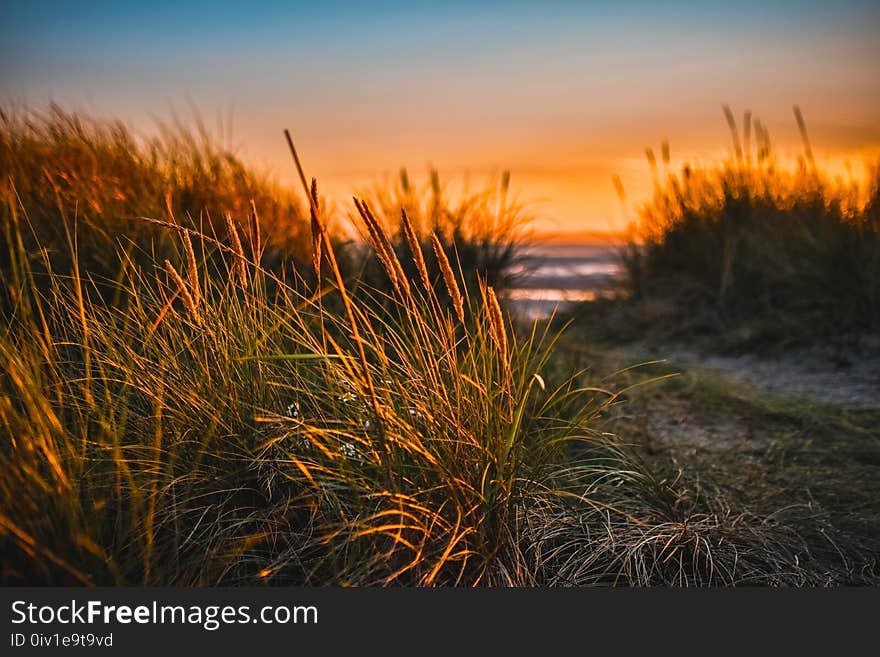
(751, 253)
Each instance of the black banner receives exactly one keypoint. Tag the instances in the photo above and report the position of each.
(412, 621)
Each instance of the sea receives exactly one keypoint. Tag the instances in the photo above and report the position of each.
(552, 277)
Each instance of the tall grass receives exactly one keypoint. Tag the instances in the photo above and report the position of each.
(214, 421)
(758, 250)
(239, 438)
(484, 229)
(67, 168)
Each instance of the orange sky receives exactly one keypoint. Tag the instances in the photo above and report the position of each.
(567, 184)
(564, 95)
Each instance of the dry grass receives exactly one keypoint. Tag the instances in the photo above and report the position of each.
(482, 231)
(755, 251)
(66, 168)
(236, 425)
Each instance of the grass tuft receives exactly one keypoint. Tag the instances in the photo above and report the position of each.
(242, 425)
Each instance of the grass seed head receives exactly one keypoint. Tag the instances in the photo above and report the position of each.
(239, 252)
(415, 248)
(383, 248)
(448, 277)
(188, 300)
(192, 269)
(496, 322)
(316, 227)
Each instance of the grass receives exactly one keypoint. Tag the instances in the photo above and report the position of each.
(191, 415)
(752, 254)
(806, 465)
(484, 230)
(67, 168)
(239, 438)
(751, 257)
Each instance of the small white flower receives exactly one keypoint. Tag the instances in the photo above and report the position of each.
(348, 450)
(293, 409)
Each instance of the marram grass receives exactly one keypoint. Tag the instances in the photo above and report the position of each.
(212, 422)
(249, 439)
(755, 251)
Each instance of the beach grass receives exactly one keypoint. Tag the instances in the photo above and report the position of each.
(754, 252)
(183, 409)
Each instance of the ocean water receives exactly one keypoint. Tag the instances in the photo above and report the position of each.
(554, 276)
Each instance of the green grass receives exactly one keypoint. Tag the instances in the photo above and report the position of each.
(201, 433)
(195, 412)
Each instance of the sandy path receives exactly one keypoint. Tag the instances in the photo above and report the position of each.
(816, 374)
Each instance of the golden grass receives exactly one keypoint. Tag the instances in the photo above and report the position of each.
(184, 291)
(448, 277)
(415, 248)
(274, 433)
(751, 247)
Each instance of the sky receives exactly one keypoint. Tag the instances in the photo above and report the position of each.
(564, 95)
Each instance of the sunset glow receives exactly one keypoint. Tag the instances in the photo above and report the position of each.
(562, 95)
